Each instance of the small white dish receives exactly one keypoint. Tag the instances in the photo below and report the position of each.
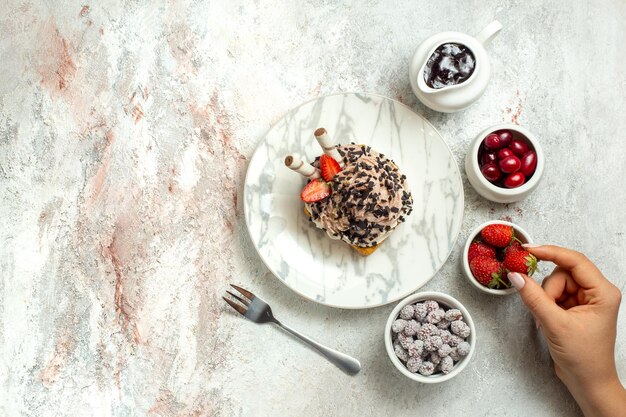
(447, 301)
(329, 271)
(491, 191)
(460, 96)
(520, 233)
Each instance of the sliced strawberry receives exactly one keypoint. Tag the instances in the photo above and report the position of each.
(329, 167)
(315, 190)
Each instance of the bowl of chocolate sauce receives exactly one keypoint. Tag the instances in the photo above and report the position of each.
(450, 70)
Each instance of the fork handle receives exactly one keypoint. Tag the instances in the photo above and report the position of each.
(342, 361)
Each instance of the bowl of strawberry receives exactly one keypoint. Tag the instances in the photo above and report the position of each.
(493, 250)
(504, 163)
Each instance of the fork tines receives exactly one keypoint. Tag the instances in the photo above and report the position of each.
(246, 293)
(245, 301)
(238, 298)
(240, 309)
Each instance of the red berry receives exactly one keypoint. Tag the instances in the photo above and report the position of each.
(513, 247)
(529, 163)
(498, 235)
(505, 137)
(504, 153)
(520, 261)
(329, 167)
(518, 147)
(491, 172)
(514, 180)
(314, 191)
(487, 271)
(488, 157)
(493, 142)
(480, 249)
(510, 164)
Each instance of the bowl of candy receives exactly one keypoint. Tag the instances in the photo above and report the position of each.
(505, 163)
(430, 337)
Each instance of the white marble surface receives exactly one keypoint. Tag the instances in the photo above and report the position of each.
(125, 130)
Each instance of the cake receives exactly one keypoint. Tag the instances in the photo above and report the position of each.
(354, 193)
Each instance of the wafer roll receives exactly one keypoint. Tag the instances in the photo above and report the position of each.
(327, 145)
(301, 167)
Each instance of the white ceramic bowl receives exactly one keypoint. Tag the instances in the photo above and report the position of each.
(447, 301)
(491, 191)
(520, 233)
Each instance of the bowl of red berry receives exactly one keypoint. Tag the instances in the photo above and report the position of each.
(493, 250)
(504, 163)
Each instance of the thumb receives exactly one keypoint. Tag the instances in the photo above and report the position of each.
(538, 302)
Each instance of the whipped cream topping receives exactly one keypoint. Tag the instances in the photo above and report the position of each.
(369, 198)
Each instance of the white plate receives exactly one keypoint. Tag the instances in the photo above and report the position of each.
(329, 271)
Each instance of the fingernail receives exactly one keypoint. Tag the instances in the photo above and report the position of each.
(537, 325)
(530, 245)
(517, 280)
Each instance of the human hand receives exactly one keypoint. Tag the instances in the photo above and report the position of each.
(577, 312)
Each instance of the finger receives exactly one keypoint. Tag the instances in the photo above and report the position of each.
(571, 286)
(563, 257)
(559, 285)
(555, 284)
(585, 273)
(537, 325)
(569, 302)
(537, 300)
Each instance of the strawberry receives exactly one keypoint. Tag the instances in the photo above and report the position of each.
(329, 167)
(488, 271)
(520, 261)
(480, 248)
(498, 235)
(314, 191)
(515, 246)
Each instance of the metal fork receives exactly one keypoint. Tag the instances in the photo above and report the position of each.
(260, 312)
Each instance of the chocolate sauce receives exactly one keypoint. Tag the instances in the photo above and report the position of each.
(450, 64)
